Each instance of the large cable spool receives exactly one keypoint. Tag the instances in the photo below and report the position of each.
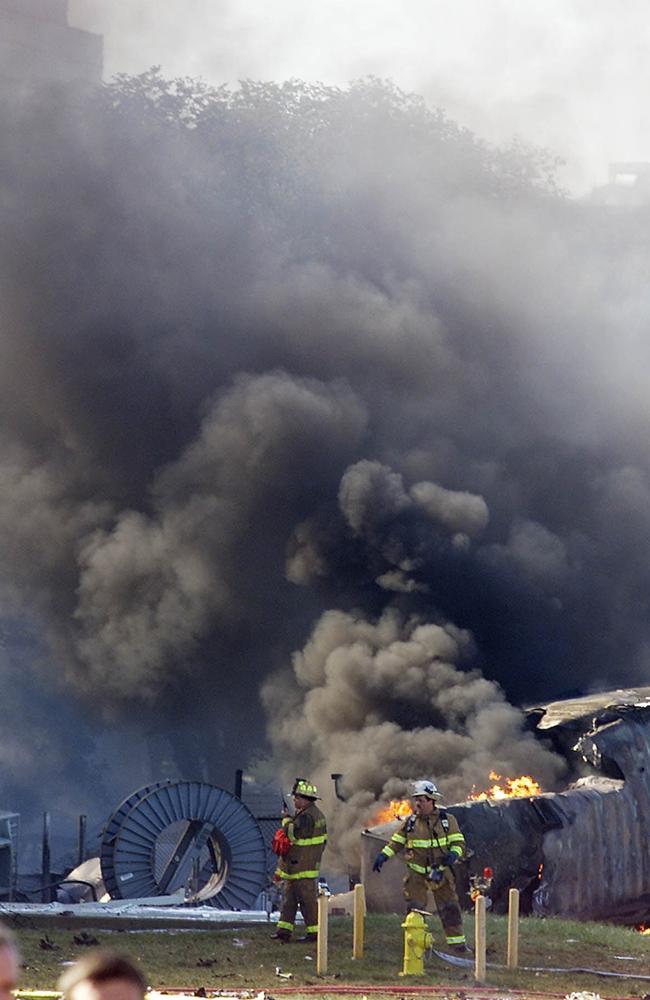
(176, 834)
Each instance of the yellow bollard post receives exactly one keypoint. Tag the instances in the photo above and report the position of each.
(321, 945)
(479, 939)
(513, 928)
(358, 920)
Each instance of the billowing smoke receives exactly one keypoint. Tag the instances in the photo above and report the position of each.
(183, 562)
(293, 355)
(385, 702)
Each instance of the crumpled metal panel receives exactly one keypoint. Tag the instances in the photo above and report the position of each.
(597, 865)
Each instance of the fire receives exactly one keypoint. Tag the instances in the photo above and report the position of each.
(396, 809)
(503, 788)
(507, 788)
(643, 929)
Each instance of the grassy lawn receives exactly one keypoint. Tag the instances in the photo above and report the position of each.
(246, 958)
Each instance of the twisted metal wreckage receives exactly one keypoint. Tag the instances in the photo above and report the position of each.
(577, 853)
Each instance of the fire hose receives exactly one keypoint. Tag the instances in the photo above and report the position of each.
(465, 962)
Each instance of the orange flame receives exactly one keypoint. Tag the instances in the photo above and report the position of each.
(396, 809)
(643, 929)
(507, 788)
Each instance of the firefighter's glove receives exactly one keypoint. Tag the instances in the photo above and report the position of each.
(379, 860)
(436, 876)
(450, 858)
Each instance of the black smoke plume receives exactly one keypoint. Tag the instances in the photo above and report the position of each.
(290, 351)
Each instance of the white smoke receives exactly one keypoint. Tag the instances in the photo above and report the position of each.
(566, 75)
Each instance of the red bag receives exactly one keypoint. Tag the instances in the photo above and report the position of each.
(280, 845)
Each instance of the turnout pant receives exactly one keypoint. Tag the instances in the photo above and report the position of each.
(416, 888)
(302, 894)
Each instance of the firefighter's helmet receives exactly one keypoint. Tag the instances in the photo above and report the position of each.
(426, 787)
(305, 788)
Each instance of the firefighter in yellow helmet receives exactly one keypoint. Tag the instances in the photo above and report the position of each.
(432, 845)
(300, 867)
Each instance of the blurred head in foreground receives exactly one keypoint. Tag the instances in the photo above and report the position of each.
(9, 963)
(103, 975)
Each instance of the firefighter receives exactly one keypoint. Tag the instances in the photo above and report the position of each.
(299, 869)
(433, 844)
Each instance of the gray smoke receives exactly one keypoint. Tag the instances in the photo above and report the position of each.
(152, 587)
(294, 351)
(386, 702)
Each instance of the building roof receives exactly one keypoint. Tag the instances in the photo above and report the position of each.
(37, 45)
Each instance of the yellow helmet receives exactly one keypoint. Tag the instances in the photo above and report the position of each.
(305, 788)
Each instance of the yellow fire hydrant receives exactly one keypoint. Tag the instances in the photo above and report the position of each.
(417, 939)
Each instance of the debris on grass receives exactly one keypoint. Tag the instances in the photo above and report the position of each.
(85, 939)
(201, 991)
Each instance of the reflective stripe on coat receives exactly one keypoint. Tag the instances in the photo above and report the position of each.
(425, 841)
(307, 832)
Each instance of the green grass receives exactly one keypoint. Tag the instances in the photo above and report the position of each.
(246, 958)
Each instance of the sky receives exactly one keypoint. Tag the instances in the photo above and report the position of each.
(567, 74)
